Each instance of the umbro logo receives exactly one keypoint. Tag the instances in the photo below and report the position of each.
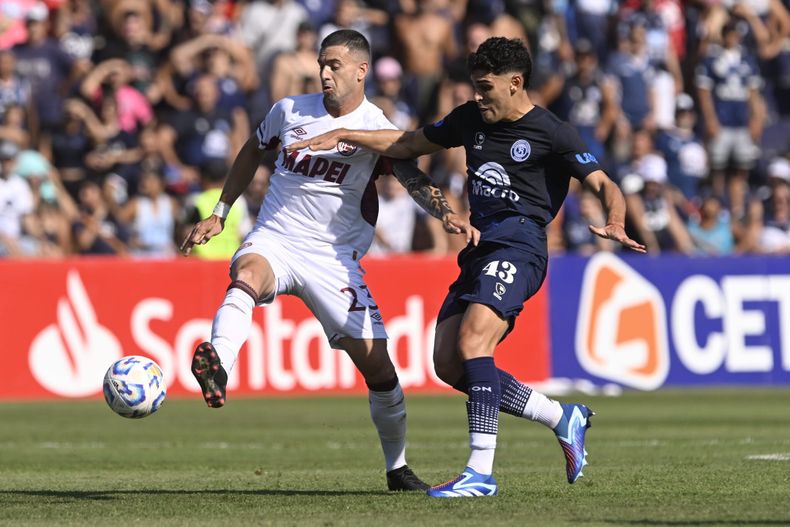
(299, 131)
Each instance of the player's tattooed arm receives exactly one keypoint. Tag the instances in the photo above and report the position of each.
(421, 188)
(431, 199)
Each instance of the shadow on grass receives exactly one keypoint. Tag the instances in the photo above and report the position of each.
(698, 522)
(115, 494)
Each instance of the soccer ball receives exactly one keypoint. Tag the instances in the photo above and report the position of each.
(134, 387)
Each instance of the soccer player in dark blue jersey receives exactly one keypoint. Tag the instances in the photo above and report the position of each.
(520, 159)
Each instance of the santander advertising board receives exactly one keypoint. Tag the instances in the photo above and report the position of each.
(83, 315)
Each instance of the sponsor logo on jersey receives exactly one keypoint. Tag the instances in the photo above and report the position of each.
(585, 158)
(345, 148)
(621, 329)
(520, 150)
(499, 290)
(480, 137)
(315, 166)
(299, 131)
(495, 182)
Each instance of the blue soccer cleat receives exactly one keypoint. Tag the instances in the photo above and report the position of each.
(469, 484)
(570, 433)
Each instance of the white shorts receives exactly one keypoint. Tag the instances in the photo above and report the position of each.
(735, 143)
(329, 280)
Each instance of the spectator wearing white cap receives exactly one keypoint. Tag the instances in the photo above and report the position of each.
(650, 208)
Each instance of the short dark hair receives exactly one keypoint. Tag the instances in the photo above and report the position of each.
(353, 40)
(499, 55)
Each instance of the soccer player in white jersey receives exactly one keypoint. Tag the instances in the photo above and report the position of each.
(316, 222)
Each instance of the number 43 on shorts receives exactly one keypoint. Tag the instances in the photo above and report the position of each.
(503, 270)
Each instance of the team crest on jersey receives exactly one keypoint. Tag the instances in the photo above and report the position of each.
(520, 150)
(480, 137)
(345, 148)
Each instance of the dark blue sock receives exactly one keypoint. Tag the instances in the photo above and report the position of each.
(484, 391)
(514, 394)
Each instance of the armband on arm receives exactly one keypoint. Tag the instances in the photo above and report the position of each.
(221, 210)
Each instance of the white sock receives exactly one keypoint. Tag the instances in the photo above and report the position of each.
(231, 326)
(388, 411)
(543, 410)
(481, 460)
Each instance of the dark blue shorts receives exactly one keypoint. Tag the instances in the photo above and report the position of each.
(500, 276)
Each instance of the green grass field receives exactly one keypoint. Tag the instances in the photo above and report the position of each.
(668, 458)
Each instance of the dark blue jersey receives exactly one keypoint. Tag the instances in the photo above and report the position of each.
(516, 169)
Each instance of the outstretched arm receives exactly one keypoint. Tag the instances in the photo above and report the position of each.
(430, 198)
(613, 203)
(239, 177)
(391, 143)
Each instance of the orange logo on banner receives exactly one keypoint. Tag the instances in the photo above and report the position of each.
(621, 328)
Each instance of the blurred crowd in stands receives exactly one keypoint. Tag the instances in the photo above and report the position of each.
(119, 118)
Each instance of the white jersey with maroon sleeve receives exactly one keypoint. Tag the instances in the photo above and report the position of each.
(326, 196)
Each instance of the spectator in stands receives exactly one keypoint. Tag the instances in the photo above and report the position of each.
(293, 73)
(775, 235)
(151, 218)
(16, 204)
(113, 78)
(588, 101)
(389, 76)
(428, 42)
(767, 25)
(687, 161)
(256, 190)
(571, 232)
(711, 229)
(12, 127)
(592, 20)
(319, 12)
(47, 233)
(224, 245)
(204, 133)
(651, 210)
(728, 87)
(269, 27)
(15, 96)
(69, 144)
(631, 68)
(75, 27)
(135, 41)
(396, 220)
(96, 231)
(224, 58)
(116, 150)
(42, 63)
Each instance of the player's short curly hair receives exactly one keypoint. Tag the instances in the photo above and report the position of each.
(499, 55)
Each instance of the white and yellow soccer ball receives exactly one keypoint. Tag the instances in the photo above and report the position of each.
(134, 387)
